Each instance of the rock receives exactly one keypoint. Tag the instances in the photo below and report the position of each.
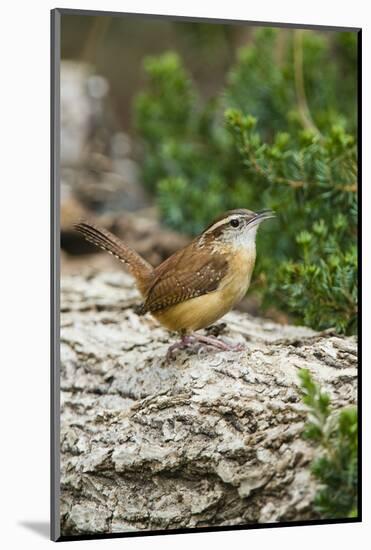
(209, 439)
(97, 161)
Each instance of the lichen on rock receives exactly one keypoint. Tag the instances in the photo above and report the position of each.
(208, 439)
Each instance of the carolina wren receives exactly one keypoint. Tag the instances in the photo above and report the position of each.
(197, 285)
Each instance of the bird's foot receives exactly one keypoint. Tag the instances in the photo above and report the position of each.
(217, 343)
(183, 343)
(212, 341)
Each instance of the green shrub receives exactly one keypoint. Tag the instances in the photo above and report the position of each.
(188, 156)
(310, 259)
(260, 143)
(335, 433)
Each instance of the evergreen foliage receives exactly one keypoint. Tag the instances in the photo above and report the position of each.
(281, 135)
(335, 433)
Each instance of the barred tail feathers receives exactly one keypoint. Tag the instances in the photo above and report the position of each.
(138, 267)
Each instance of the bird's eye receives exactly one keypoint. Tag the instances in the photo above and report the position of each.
(234, 223)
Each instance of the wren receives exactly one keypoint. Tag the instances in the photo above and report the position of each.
(198, 284)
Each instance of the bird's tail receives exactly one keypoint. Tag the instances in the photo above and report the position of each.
(138, 267)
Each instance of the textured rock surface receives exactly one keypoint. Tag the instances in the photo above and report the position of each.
(208, 439)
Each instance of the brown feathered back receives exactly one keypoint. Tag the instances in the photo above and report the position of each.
(175, 282)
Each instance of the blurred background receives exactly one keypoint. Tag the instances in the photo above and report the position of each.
(165, 124)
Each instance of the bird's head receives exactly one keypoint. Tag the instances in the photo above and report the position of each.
(236, 227)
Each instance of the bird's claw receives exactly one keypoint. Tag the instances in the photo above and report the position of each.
(201, 339)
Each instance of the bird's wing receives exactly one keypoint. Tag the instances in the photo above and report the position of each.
(183, 276)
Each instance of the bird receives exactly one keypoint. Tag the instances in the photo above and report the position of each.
(198, 284)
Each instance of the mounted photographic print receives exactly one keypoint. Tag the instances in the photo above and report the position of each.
(205, 274)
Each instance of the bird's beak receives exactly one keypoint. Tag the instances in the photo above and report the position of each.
(261, 216)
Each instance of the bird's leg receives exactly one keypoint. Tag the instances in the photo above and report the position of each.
(185, 341)
(190, 339)
(217, 343)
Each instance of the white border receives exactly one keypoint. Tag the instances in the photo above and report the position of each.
(24, 241)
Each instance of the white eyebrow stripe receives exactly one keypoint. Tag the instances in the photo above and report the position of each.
(224, 221)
